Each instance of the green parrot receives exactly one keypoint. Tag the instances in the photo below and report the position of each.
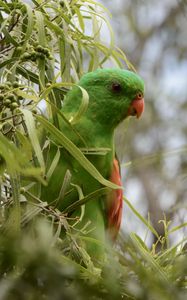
(114, 94)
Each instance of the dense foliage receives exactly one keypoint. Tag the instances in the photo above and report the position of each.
(45, 47)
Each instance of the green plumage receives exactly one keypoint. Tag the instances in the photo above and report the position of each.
(111, 92)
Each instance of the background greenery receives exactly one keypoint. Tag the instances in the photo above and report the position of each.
(46, 46)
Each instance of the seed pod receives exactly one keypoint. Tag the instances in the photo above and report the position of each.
(12, 97)
(22, 190)
(61, 3)
(15, 84)
(8, 83)
(46, 51)
(40, 55)
(33, 53)
(7, 102)
(14, 105)
(17, 110)
(39, 48)
(26, 56)
(6, 87)
(34, 111)
(19, 48)
(34, 57)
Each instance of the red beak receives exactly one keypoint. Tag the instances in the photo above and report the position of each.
(136, 108)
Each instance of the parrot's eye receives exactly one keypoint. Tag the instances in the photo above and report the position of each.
(139, 95)
(116, 87)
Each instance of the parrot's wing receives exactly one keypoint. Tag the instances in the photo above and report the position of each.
(115, 202)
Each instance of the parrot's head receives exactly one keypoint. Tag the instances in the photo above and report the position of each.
(114, 94)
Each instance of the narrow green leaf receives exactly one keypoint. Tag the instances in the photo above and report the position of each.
(82, 108)
(53, 164)
(164, 255)
(42, 41)
(65, 184)
(25, 144)
(29, 121)
(95, 151)
(7, 62)
(56, 29)
(41, 28)
(27, 74)
(82, 206)
(8, 37)
(62, 55)
(48, 90)
(80, 18)
(96, 39)
(32, 212)
(141, 218)
(148, 258)
(15, 187)
(30, 22)
(92, 196)
(27, 96)
(95, 3)
(67, 53)
(177, 227)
